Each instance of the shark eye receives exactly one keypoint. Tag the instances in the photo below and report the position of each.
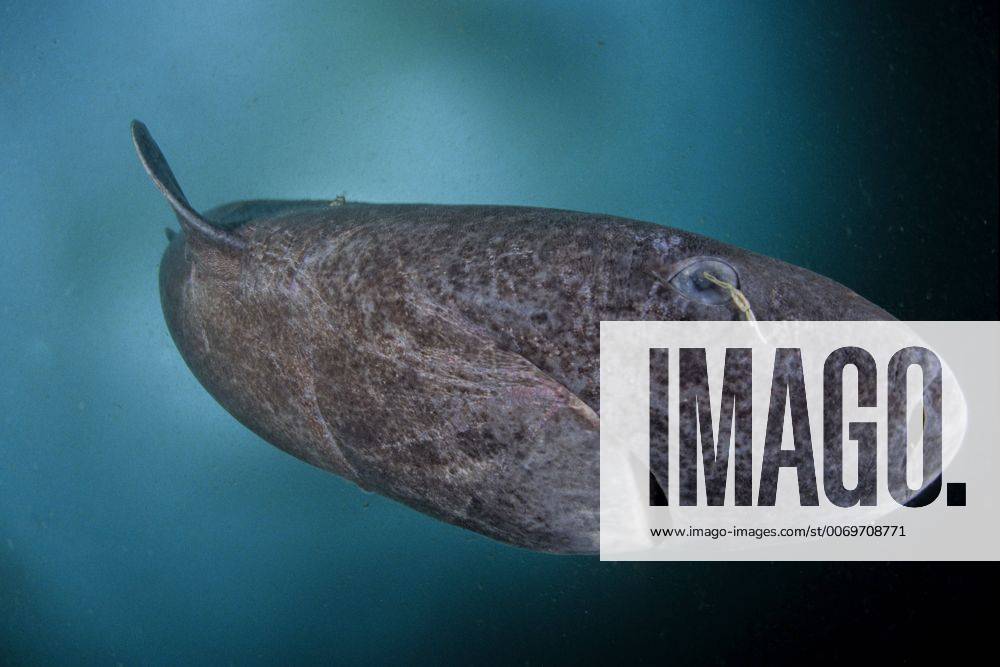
(690, 280)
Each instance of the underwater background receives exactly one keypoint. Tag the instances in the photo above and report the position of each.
(140, 523)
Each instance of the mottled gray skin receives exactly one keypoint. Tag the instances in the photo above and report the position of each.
(443, 356)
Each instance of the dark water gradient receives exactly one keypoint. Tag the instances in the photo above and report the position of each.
(140, 524)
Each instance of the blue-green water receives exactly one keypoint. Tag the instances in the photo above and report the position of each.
(140, 523)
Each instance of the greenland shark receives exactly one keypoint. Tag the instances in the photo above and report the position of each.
(445, 356)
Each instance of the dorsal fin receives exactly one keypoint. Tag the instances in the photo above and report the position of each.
(158, 169)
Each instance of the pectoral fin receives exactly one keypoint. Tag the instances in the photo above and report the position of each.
(156, 166)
